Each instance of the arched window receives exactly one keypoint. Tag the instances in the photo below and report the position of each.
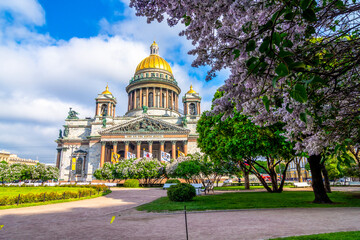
(192, 109)
(161, 75)
(150, 101)
(147, 75)
(163, 100)
(103, 111)
(153, 74)
(79, 163)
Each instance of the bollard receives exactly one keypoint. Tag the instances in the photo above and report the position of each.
(79, 194)
(18, 200)
(98, 191)
(64, 195)
(44, 197)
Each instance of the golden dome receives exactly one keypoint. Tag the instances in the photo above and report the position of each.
(191, 90)
(154, 60)
(106, 90)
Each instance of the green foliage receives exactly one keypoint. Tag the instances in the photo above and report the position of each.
(187, 169)
(237, 139)
(181, 192)
(173, 181)
(131, 183)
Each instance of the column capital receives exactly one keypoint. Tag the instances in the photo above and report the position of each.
(162, 142)
(185, 141)
(173, 142)
(127, 143)
(103, 143)
(138, 143)
(150, 142)
(115, 142)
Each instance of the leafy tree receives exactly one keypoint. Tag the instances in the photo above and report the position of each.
(104, 173)
(150, 170)
(188, 170)
(4, 172)
(278, 71)
(240, 141)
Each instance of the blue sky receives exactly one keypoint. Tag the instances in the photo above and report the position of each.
(61, 53)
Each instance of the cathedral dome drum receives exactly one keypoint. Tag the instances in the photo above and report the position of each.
(153, 87)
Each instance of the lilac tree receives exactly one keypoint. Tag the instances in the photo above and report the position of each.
(294, 61)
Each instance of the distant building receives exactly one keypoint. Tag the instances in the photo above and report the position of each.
(153, 125)
(13, 158)
(298, 165)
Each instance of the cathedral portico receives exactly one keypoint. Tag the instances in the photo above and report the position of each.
(153, 125)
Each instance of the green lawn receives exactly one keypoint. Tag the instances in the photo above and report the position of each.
(248, 200)
(15, 191)
(231, 188)
(326, 236)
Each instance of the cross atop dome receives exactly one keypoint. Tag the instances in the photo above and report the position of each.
(154, 49)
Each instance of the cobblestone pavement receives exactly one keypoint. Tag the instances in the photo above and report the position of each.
(90, 219)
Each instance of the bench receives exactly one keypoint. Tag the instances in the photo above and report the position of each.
(197, 187)
(301, 184)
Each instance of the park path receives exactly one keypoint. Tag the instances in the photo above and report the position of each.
(90, 219)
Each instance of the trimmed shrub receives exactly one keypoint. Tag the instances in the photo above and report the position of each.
(131, 183)
(50, 196)
(181, 192)
(173, 181)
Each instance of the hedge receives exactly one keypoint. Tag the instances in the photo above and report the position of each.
(131, 183)
(49, 196)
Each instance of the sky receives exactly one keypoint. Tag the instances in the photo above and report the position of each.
(61, 53)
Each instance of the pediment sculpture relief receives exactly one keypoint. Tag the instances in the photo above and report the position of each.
(144, 126)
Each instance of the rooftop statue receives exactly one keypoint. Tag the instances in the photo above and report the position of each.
(145, 109)
(72, 114)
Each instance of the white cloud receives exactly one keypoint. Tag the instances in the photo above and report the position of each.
(24, 11)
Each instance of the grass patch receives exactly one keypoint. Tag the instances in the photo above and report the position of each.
(234, 188)
(326, 236)
(15, 191)
(249, 200)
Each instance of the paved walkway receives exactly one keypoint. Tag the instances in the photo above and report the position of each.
(90, 219)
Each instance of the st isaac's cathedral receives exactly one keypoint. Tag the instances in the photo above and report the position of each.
(153, 124)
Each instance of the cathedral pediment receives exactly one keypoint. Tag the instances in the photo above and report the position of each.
(144, 124)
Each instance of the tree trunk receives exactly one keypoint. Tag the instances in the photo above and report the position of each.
(246, 179)
(298, 170)
(326, 178)
(258, 175)
(317, 182)
(281, 187)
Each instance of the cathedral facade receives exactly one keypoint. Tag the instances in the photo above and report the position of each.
(153, 124)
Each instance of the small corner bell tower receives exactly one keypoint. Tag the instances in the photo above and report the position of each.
(192, 102)
(105, 104)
